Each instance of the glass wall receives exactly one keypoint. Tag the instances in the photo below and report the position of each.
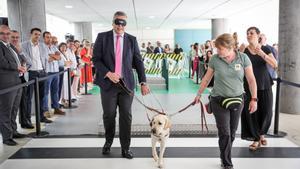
(3, 8)
(59, 27)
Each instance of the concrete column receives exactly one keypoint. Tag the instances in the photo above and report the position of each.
(25, 15)
(218, 27)
(289, 60)
(83, 30)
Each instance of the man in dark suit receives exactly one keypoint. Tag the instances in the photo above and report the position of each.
(115, 54)
(20, 103)
(10, 70)
(158, 49)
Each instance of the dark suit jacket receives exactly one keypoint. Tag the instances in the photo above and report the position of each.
(104, 60)
(156, 50)
(9, 74)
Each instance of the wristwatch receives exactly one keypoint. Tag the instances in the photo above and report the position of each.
(254, 99)
(143, 83)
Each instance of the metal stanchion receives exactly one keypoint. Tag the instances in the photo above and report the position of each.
(38, 132)
(85, 81)
(197, 73)
(70, 106)
(190, 66)
(276, 132)
(165, 72)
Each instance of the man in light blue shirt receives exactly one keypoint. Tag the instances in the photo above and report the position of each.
(52, 83)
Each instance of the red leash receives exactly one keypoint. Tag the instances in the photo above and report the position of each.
(202, 114)
(202, 107)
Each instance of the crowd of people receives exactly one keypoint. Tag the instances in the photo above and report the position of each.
(200, 54)
(38, 57)
(159, 49)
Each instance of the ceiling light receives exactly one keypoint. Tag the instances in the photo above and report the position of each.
(68, 6)
(152, 17)
(148, 27)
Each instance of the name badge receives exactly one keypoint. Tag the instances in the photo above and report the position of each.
(237, 67)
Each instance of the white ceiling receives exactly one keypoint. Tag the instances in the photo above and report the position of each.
(166, 13)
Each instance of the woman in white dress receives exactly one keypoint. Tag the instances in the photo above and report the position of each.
(66, 62)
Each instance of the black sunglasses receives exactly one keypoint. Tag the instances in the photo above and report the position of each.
(120, 22)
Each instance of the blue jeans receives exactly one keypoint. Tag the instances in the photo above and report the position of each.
(52, 84)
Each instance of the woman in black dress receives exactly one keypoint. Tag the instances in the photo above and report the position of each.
(256, 125)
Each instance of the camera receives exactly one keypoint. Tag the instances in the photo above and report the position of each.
(69, 36)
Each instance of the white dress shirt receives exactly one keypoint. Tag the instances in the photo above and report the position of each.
(36, 58)
(72, 57)
(54, 65)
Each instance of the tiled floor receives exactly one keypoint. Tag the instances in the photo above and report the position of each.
(192, 153)
(289, 123)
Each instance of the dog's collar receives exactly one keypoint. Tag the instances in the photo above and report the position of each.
(160, 136)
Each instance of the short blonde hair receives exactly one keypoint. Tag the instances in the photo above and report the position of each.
(225, 40)
(86, 43)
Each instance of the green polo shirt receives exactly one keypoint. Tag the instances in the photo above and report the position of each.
(229, 77)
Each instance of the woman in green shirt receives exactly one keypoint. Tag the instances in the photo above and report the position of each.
(228, 68)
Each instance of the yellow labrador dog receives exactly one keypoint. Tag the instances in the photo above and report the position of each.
(160, 132)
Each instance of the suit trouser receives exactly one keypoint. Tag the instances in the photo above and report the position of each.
(32, 76)
(23, 104)
(111, 99)
(6, 118)
(227, 121)
(15, 109)
(52, 85)
(23, 107)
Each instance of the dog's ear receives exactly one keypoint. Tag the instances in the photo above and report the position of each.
(151, 123)
(167, 123)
